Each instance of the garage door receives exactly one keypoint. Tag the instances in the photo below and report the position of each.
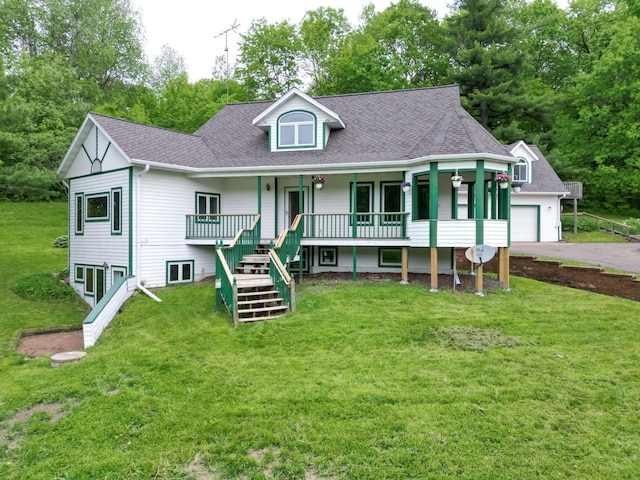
(524, 223)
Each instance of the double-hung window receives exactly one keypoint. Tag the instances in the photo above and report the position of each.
(364, 202)
(297, 129)
(521, 171)
(391, 201)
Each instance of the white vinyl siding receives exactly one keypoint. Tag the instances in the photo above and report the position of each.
(98, 245)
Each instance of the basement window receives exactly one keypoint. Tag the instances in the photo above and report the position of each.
(179, 271)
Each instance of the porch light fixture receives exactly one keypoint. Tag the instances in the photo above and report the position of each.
(268, 187)
(456, 180)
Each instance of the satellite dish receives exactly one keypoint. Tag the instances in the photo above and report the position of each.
(480, 253)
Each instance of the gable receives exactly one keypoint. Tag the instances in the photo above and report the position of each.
(92, 151)
(296, 121)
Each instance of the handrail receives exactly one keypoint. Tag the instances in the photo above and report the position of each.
(289, 242)
(228, 289)
(227, 260)
(282, 280)
(626, 229)
(292, 228)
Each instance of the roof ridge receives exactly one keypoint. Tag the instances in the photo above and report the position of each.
(354, 94)
(440, 134)
(141, 124)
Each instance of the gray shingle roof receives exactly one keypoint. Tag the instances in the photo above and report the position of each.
(155, 144)
(380, 127)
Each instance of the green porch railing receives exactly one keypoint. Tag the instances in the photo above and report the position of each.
(227, 291)
(227, 259)
(368, 225)
(289, 242)
(282, 281)
(217, 226)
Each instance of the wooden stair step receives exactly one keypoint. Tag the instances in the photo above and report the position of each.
(261, 300)
(259, 319)
(263, 309)
(259, 292)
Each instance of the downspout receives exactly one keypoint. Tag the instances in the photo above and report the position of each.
(138, 284)
(66, 185)
(559, 219)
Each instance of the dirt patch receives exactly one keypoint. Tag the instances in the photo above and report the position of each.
(39, 343)
(10, 431)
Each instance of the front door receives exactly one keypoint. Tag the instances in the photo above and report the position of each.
(293, 205)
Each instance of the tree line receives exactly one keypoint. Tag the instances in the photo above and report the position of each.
(567, 79)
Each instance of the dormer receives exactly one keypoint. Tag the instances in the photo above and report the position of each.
(297, 122)
(523, 170)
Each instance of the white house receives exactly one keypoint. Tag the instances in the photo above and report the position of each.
(166, 208)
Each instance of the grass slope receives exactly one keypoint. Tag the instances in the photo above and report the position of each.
(360, 383)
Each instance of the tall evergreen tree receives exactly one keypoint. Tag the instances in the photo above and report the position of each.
(489, 69)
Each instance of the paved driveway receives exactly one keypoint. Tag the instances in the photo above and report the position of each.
(620, 256)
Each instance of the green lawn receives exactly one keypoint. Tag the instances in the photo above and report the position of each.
(361, 383)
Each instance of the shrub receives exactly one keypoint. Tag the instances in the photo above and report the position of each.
(43, 286)
(584, 224)
(61, 242)
(634, 224)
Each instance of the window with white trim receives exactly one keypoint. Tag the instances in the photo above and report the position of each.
(521, 171)
(207, 204)
(97, 207)
(297, 129)
(391, 201)
(116, 208)
(179, 272)
(364, 202)
(79, 214)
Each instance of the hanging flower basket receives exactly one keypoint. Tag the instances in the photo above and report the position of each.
(516, 186)
(456, 181)
(503, 180)
(318, 181)
(406, 186)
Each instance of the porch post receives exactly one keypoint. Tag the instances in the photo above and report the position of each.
(259, 195)
(354, 226)
(503, 253)
(405, 266)
(479, 289)
(480, 202)
(434, 269)
(301, 210)
(275, 208)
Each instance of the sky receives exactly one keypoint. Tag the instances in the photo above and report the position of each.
(194, 28)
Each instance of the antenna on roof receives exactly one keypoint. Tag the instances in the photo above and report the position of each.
(226, 47)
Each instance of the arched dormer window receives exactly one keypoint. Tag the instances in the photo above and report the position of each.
(521, 171)
(297, 129)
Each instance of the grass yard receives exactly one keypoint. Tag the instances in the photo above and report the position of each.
(366, 381)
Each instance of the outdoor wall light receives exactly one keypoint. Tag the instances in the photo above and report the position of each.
(268, 187)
